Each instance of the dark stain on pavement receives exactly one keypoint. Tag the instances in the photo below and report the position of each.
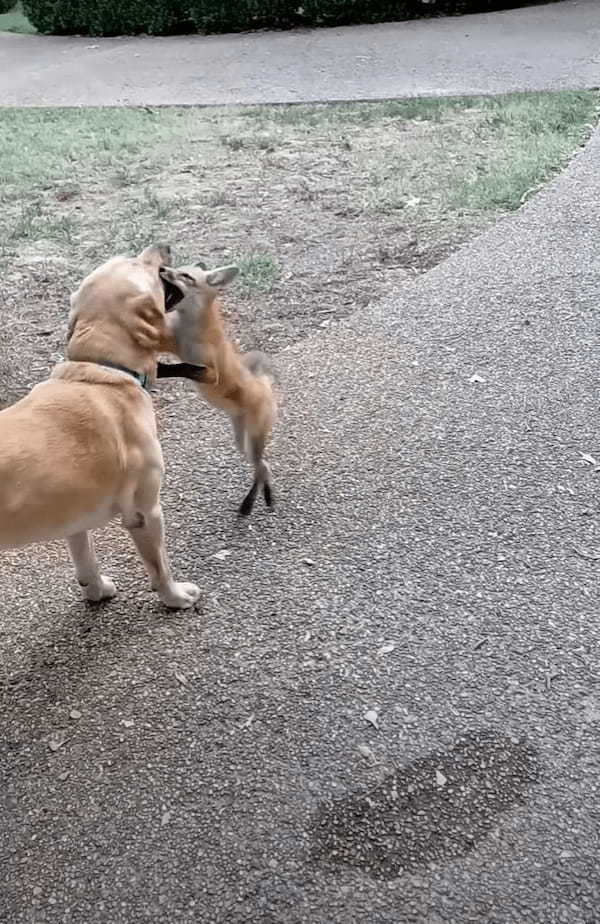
(433, 810)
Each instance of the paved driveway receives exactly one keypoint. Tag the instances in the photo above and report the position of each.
(543, 47)
(433, 562)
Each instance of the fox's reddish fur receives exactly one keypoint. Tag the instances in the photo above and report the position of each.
(239, 384)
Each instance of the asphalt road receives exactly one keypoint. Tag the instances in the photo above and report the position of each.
(553, 46)
(431, 569)
(433, 559)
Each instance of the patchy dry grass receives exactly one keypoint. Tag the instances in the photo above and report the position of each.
(16, 21)
(325, 206)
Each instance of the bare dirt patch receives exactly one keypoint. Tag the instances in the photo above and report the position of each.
(326, 207)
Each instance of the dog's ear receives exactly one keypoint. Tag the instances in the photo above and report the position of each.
(72, 314)
(156, 254)
(145, 321)
(175, 286)
(221, 277)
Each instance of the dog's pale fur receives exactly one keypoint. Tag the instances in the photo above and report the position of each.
(82, 448)
(240, 385)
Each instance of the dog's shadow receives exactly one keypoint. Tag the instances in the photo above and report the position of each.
(89, 641)
(49, 657)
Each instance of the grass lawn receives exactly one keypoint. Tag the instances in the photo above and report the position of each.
(16, 21)
(326, 206)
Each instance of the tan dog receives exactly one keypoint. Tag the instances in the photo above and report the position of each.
(240, 385)
(82, 448)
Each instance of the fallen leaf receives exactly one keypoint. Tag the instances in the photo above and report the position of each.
(372, 717)
(440, 779)
(583, 553)
(222, 555)
(591, 709)
(527, 193)
(128, 723)
(63, 195)
(64, 775)
(308, 561)
(166, 817)
(56, 742)
(366, 752)
(586, 457)
(181, 678)
(385, 649)
(74, 714)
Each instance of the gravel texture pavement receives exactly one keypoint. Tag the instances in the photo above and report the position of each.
(385, 707)
(432, 562)
(555, 46)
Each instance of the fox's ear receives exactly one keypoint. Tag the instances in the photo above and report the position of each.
(221, 277)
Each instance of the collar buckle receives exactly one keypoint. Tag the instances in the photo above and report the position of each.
(140, 377)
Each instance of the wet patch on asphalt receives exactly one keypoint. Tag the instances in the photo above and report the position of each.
(433, 810)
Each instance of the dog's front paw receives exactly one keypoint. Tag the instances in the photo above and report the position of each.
(180, 596)
(100, 589)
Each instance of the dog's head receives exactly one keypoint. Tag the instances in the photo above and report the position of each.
(118, 311)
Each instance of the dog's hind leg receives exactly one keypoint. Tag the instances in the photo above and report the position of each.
(95, 586)
(146, 527)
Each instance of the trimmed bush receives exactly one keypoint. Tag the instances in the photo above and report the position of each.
(105, 17)
(6, 6)
(160, 17)
(241, 15)
(227, 16)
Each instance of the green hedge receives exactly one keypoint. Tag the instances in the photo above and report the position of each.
(6, 6)
(122, 17)
(106, 17)
(240, 15)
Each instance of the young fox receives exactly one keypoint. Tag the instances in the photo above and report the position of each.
(239, 384)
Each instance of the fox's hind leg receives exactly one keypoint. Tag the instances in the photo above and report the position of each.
(262, 477)
(239, 432)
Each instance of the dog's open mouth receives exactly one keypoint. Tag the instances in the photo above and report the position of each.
(173, 292)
